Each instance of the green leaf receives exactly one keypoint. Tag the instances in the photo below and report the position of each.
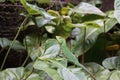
(64, 10)
(33, 76)
(91, 17)
(43, 65)
(29, 66)
(17, 45)
(115, 75)
(12, 74)
(32, 40)
(87, 24)
(49, 49)
(56, 63)
(91, 36)
(94, 67)
(60, 31)
(33, 10)
(16, 74)
(79, 73)
(117, 10)
(111, 22)
(69, 55)
(41, 21)
(99, 72)
(102, 75)
(50, 29)
(57, 16)
(85, 8)
(110, 14)
(52, 49)
(112, 63)
(5, 43)
(32, 43)
(68, 75)
(95, 23)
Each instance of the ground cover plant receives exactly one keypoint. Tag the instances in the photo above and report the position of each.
(65, 43)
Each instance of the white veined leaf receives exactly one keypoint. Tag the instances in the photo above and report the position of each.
(115, 75)
(85, 8)
(45, 66)
(67, 74)
(117, 10)
(112, 63)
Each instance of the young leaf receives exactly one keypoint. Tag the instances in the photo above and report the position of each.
(50, 29)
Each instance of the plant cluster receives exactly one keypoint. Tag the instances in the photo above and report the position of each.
(64, 36)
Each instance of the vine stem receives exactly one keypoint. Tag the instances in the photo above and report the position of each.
(83, 48)
(13, 42)
(83, 51)
(25, 60)
(27, 55)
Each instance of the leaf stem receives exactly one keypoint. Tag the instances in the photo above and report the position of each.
(104, 28)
